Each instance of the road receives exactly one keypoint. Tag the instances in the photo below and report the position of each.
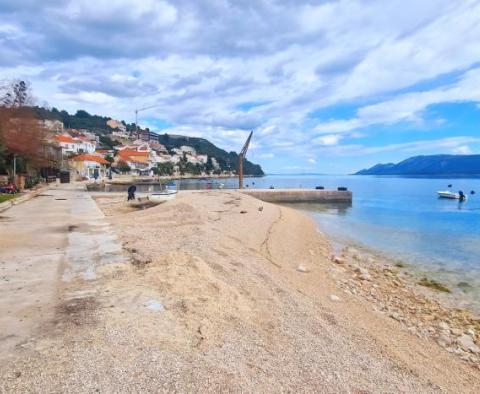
(50, 249)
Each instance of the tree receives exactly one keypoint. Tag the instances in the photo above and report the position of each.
(123, 166)
(22, 136)
(110, 159)
(16, 94)
(164, 169)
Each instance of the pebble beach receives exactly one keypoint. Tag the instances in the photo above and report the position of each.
(223, 292)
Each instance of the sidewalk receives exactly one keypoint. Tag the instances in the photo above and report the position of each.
(50, 248)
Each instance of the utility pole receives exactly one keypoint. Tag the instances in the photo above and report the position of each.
(241, 158)
(14, 168)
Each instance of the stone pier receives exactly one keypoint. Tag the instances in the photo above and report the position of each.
(300, 195)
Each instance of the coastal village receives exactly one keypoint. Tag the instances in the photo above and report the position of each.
(81, 155)
(240, 196)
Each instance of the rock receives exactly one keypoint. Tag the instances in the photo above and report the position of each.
(302, 268)
(360, 270)
(443, 326)
(471, 333)
(466, 342)
(338, 260)
(444, 340)
(333, 297)
(456, 331)
(365, 276)
(395, 315)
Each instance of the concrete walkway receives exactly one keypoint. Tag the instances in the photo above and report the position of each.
(50, 250)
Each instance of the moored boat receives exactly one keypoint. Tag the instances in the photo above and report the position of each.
(451, 195)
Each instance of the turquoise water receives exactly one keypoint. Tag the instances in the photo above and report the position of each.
(401, 217)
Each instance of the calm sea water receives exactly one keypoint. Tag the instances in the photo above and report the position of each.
(401, 217)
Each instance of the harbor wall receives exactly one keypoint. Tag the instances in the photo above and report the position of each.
(300, 195)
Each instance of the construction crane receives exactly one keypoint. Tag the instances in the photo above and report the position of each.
(140, 110)
(241, 158)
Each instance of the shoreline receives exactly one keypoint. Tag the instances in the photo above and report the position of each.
(219, 292)
(455, 297)
(386, 291)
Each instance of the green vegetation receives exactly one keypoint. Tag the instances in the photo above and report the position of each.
(6, 197)
(227, 161)
(434, 285)
(399, 265)
(123, 166)
(163, 169)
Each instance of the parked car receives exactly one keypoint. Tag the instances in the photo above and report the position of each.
(9, 188)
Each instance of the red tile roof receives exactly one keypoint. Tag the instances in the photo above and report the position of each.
(128, 152)
(65, 138)
(98, 159)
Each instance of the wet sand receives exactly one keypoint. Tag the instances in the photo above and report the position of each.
(227, 293)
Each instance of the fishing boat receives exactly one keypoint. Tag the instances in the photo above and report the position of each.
(451, 195)
(143, 200)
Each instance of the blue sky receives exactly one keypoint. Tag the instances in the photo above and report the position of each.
(327, 86)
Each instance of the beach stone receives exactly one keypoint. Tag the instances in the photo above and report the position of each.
(333, 297)
(456, 331)
(466, 342)
(302, 268)
(444, 340)
(471, 333)
(443, 326)
(338, 260)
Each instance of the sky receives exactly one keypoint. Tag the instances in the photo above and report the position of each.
(327, 86)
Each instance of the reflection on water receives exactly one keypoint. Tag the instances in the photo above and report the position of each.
(340, 208)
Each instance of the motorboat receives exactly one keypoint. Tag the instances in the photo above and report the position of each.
(150, 199)
(451, 195)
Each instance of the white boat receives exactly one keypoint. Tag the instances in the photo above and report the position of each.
(162, 196)
(150, 199)
(450, 195)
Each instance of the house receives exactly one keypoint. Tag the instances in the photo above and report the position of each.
(68, 144)
(89, 166)
(137, 160)
(71, 145)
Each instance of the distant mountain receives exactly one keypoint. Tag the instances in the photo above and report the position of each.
(429, 165)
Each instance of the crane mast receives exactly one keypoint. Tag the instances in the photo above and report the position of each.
(241, 158)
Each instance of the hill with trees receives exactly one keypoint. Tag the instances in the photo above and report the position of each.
(226, 160)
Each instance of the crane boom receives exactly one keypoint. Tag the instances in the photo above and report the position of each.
(241, 158)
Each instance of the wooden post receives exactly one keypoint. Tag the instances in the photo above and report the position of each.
(240, 171)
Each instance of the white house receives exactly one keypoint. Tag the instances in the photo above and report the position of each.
(89, 166)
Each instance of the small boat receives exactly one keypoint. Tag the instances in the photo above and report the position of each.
(162, 196)
(451, 195)
(151, 199)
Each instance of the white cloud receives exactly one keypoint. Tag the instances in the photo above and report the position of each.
(462, 150)
(327, 140)
(200, 61)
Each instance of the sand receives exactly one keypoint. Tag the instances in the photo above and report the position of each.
(225, 293)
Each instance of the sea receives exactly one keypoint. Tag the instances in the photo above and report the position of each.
(400, 218)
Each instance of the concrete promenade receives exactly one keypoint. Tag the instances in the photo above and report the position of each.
(50, 249)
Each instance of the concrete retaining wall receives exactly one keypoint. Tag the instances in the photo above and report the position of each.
(300, 195)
